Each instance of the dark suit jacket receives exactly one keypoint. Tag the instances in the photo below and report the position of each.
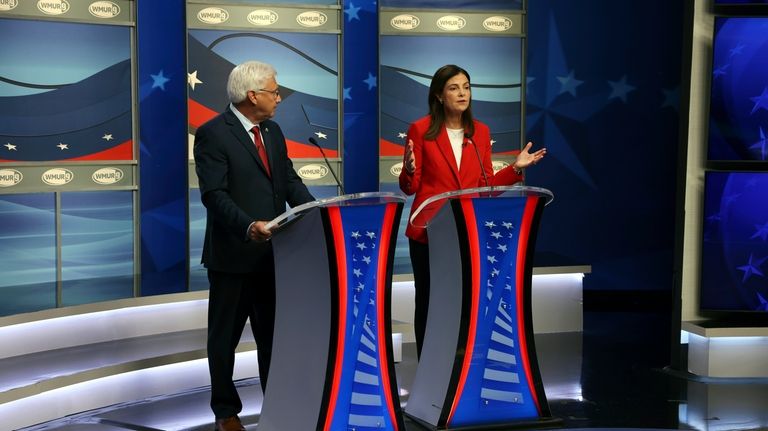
(236, 190)
(436, 170)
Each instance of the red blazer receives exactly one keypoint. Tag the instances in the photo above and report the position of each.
(436, 171)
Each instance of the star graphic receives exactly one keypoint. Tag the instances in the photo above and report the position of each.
(763, 303)
(402, 135)
(159, 80)
(370, 234)
(371, 81)
(490, 224)
(507, 225)
(751, 268)
(63, 146)
(569, 83)
(351, 12)
(737, 50)
(321, 135)
(496, 235)
(720, 71)
(357, 272)
(671, 97)
(367, 259)
(761, 101)
(762, 232)
(361, 246)
(502, 247)
(10, 146)
(347, 93)
(107, 137)
(356, 234)
(760, 145)
(620, 89)
(192, 80)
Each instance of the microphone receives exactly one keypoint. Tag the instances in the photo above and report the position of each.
(313, 141)
(468, 138)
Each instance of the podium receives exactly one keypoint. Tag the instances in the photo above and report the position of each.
(478, 365)
(332, 366)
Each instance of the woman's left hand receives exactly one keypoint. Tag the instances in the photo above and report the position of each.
(526, 158)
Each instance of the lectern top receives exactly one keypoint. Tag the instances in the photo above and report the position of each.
(355, 199)
(496, 192)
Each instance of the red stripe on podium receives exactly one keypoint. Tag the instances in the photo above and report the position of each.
(381, 289)
(522, 250)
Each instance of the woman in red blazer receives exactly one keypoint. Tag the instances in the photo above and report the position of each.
(440, 157)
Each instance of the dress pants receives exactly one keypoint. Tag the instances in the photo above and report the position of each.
(233, 298)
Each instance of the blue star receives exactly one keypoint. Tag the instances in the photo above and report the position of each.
(720, 71)
(671, 97)
(751, 268)
(159, 80)
(763, 303)
(619, 89)
(569, 83)
(371, 81)
(762, 232)
(760, 145)
(347, 91)
(737, 50)
(351, 12)
(761, 101)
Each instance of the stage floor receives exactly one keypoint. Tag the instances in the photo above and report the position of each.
(611, 376)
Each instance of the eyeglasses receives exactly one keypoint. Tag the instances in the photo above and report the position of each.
(275, 93)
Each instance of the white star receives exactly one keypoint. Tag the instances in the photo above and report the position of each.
(502, 247)
(370, 234)
(367, 259)
(490, 224)
(495, 272)
(192, 80)
(507, 224)
(360, 286)
(357, 272)
(10, 146)
(492, 259)
(361, 246)
(355, 234)
(496, 235)
(401, 135)
(107, 137)
(321, 135)
(63, 146)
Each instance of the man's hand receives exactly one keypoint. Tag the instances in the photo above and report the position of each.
(258, 232)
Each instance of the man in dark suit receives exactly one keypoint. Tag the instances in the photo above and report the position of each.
(246, 179)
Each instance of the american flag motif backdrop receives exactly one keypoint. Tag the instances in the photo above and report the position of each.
(363, 395)
(498, 375)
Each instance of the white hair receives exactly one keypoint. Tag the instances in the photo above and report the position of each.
(251, 75)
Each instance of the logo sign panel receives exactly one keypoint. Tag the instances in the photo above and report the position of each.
(57, 176)
(405, 22)
(53, 7)
(108, 175)
(451, 22)
(312, 18)
(263, 17)
(213, 15)
(497, 23)
(6, 5)
(10, 177)
(313, 172)
(104, 9)
(396, 169)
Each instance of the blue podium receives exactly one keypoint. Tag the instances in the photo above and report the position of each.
(332, 366)
(478, 366)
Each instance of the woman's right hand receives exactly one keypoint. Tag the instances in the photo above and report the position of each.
(409, 159)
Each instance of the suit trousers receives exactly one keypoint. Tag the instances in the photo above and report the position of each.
(233, 298)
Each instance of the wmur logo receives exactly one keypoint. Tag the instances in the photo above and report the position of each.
(451, 22)
(312, 18)
(313, 172)
(57, 176)
(499, 165)
(108, 175)
(104, 9)
(405, 22)
(53, 7)
(213, 15)
(263, 17)
(6, 5)
(497, 23)
(10, 177)
(396, 169)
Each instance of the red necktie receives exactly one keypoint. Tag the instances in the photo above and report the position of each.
(261, 149)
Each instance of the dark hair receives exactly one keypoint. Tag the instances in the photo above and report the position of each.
(436, 110)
